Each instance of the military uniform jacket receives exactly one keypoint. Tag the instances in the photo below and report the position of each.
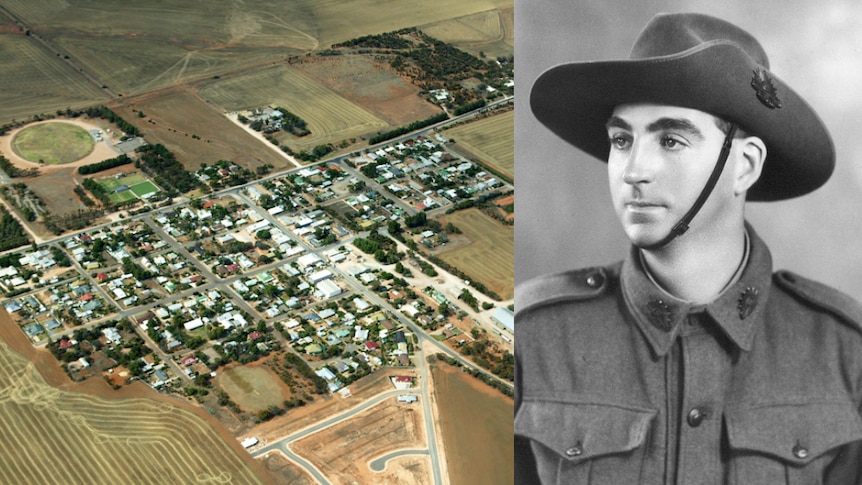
(619, 383)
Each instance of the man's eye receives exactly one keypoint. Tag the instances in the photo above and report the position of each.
(669, 142)
(619, 142)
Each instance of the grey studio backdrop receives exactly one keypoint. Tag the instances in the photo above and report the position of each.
(564, 218)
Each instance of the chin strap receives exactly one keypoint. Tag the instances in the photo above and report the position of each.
(682, 225)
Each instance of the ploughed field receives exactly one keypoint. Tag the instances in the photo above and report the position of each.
(49, 435)
(491, 140)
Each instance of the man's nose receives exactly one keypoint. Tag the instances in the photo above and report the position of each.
(640, 165)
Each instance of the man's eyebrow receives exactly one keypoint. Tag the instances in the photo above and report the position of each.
(617, 122)
(675, 124)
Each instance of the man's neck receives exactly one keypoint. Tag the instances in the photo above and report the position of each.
(697, 270)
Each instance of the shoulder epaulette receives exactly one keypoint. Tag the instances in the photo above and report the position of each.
(581, 284)
(821, 296)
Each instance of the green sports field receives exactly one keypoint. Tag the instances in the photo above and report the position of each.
(138, 186)
(53, 143)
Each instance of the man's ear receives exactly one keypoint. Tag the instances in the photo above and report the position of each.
(751, 156)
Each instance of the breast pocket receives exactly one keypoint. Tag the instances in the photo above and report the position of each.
(585, 443)
(788, 443)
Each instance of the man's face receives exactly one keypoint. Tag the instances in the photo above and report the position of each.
(660, 159)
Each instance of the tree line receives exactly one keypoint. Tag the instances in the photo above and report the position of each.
(416, 125)
(104, 165)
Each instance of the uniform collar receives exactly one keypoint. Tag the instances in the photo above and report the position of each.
(737, 310)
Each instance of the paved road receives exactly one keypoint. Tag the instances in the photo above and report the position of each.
(379, 464)
(283, 444)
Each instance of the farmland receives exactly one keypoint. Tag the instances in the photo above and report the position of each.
(488, 257)
(55, 436)
(196, 132)
(137, 47)
(476, 422)
(490, 139)
(491, 33)
(36, 82)
(331, 118)
(370, 84)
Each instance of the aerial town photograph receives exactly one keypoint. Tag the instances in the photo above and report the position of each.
(256, 242)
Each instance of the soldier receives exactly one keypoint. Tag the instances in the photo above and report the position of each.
(690, 361)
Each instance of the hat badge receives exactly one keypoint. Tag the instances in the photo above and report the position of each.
(766, 93)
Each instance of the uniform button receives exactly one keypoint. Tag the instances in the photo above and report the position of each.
(800, 451)
(574, 451)
(695, 417)
(595, 280)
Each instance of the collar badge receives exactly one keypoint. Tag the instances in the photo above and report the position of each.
(660, 315)
(747, 302)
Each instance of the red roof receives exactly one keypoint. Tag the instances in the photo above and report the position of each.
(232, 267)
(208, 204)
(86, 238)
(371, 345)
(403, 379)
(86, 297)
(189, 361)
(101, 276)
(65, 344)
(255, 335)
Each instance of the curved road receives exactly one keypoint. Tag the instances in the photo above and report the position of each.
(379, 464)
(283, 445)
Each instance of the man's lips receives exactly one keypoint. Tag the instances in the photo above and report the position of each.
(643, 204)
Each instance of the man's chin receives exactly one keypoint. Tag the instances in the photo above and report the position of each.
(645, 237)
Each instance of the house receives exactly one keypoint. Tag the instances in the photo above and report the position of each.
(112, 335)
(325, 373)
(407, 398)
(402, 382)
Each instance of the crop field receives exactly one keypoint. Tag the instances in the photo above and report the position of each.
(331, 118)
(476, 425)
(371, 84)
(135, 47)
(49, 435)
(53, 143)
(491, 140)
(489, 257)
(197, 132)
(35, 82)
(491, 33)
(254, 388)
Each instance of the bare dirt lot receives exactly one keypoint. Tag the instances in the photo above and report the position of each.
(253, 387)
(342, 451)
